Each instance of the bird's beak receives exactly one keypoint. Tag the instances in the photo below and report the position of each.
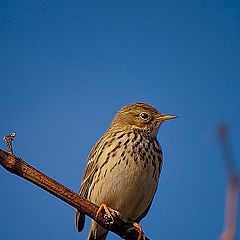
(163, 117)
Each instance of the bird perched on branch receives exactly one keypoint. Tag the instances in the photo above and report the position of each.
(124, 166)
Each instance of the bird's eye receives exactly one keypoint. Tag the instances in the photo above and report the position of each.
(144, 116)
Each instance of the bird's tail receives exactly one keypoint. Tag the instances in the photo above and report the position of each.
(97, 232)
(80, 220)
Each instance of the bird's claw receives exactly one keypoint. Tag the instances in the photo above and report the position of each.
(107, 213)
(137, 227)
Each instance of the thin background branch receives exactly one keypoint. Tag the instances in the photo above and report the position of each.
(229, 231)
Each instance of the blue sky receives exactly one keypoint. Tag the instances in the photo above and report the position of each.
(68, 66)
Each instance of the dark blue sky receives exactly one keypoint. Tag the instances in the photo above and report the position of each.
(68, 66)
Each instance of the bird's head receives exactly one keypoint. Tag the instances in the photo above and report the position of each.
(139, 116)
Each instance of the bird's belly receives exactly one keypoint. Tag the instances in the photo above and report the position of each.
(127, 187)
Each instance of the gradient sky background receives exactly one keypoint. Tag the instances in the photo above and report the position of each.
(68, 66)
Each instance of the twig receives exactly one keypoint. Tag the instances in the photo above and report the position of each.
(19, 167)
(8, 139)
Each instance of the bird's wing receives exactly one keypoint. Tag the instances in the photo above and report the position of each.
(90, 170)
(91, 167)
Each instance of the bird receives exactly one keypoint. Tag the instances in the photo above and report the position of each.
(123, 168)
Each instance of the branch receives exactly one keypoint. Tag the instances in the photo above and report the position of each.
(17, 166)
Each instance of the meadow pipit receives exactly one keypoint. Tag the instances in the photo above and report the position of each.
(123, 167)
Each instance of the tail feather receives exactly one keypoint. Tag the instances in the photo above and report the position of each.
(97, 232)
(80, 220)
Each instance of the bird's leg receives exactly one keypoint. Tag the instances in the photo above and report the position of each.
(137, 226)
(107, 213)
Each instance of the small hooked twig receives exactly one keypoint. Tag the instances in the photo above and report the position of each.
(8, 139)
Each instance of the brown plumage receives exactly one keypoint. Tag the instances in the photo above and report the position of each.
(124, 166)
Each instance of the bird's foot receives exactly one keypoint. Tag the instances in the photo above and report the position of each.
(140, 233)
(108, 213)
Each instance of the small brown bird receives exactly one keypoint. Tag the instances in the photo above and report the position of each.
(123, 167)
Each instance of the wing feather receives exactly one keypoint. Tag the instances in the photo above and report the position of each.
(90, 170)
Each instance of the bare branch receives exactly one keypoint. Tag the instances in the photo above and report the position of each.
(17, 166)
